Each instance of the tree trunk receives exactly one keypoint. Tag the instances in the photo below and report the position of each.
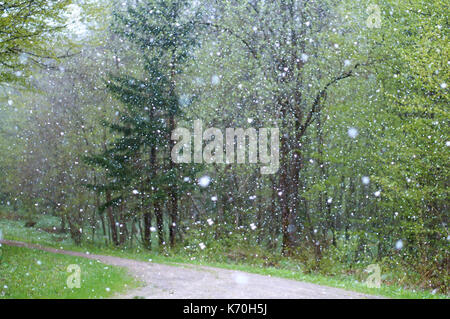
(159, 223)
(112, 222)
(173, 193)
(147, 232)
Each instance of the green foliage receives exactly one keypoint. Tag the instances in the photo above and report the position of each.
(414, 77)
(28, 31)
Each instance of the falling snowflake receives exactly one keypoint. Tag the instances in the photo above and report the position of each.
(204, 181)
(215, 80)
(365, 180)
(352, 132)
(240, 278)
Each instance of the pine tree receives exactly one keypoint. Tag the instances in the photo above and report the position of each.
(139, 161)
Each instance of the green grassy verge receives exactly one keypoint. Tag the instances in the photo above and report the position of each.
(28, 273)
(14, 230)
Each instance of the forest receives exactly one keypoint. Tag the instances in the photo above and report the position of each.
(149, 125)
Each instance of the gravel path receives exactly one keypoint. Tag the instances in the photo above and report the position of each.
(189, 281)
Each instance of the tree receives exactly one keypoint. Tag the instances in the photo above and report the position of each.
(163, 33)
(296, 70)
(415, 169)
(28, 27)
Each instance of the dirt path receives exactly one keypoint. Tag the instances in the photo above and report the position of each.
(189, 281)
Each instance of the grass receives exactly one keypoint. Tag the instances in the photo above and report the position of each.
(14, 230)
(28, 273)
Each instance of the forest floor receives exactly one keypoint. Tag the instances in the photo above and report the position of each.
(193, 281)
